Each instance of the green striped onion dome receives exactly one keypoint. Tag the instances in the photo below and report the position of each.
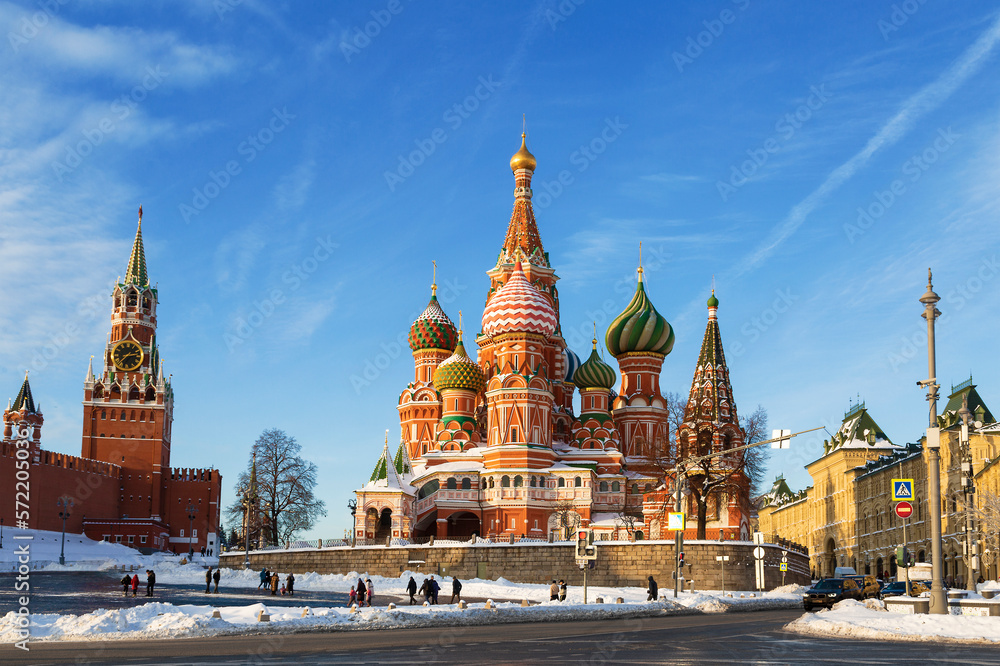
(595, 373)
(433, 329)
(458, 371)
(713, 302)
(640, 328)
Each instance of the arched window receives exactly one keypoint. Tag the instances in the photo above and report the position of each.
(104, 414)
(146, 303)
(562, 482)
(452, 484)
(466, 484)
(505, 481)
(635, 488)
(98, 392)
(648, 488)
(122, 416)
(491, 484)
(131, 299)
(150, 394)
(603, 487)
(533, 483)
(142, 416)
(615, 487)
(578, 482)
(518, 481)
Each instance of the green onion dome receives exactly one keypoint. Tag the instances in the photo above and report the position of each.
(595, 373)
(640, 328)
(458, 371)
(433, 329)
(713, 302)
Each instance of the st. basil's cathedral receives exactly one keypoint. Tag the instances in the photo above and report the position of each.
(492, 447)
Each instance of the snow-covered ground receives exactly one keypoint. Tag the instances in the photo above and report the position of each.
(82, 554)
(854, 619)
(161, 620)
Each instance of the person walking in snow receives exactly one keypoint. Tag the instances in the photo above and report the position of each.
(435, 588)
(126, 581)
(456, 590)
(216, 576)
(411, 589)
(150, 582)
(553, 591)
(208, 580)
(274, 583)
(371, 590)
(353, 598)
(653, 590)
(362, 592)
(562, 590)
(290, 585)
(425, 590)
(265, 578)
(135, 584)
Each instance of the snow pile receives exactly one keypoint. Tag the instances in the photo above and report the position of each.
(854, 620)
(82, 554)
(164, 620)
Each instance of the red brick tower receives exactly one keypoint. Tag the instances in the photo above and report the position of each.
(128, 408)
(25, 414)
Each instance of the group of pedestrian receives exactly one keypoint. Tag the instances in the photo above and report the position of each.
(270, 580)
(557, 591)
(206, 551)
(430, 589)
(209, 577)
(362, 593)
(132, 582)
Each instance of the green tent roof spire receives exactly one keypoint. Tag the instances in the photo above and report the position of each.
(136, 271)
(24, 398)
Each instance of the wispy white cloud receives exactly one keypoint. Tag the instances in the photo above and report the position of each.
(925, 100)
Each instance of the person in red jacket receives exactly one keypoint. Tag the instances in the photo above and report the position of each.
(135, 583)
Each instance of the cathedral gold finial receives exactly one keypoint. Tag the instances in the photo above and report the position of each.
(434, 286)
(386, 437)
(594, 341)
(460, 326)
(640, 261)
(140, 215)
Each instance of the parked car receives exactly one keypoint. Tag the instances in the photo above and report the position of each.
(869, 585)
(897, 588)
(829, 591)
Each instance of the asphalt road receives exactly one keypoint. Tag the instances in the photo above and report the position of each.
(736, 638)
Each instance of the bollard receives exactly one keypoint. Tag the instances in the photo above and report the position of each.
(391, 606)
(743, 596)
(489, 604)
(462, 605)
(354, 608)
(216, 614)
(306, 612)
(620, 600)
(427, 603)
(524, 603)
(262, 616)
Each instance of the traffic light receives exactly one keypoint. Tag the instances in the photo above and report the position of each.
(680, 560)
(581, 544)
(904, 558)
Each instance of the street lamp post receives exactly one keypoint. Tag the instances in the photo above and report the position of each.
(65, 504)
(191, 511)
(970, 546)
(938, 603)
(1, 532)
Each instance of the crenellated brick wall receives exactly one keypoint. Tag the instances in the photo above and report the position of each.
(619, 564)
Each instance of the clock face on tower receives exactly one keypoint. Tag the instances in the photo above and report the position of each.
(127, 355)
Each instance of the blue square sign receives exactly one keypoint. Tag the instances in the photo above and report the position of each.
(902, 490)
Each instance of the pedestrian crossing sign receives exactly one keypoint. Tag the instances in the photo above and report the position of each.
(902, 490)
(783, 566)
(675, 521)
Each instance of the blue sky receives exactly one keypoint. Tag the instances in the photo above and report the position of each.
(816, 162)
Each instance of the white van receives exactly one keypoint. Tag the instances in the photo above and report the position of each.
(840, 572)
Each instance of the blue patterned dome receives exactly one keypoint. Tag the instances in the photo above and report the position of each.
(572, 363)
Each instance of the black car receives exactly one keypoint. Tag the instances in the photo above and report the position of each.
(829, 591)
(897, 588)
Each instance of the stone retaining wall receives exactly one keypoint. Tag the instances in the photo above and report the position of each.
(618, 564)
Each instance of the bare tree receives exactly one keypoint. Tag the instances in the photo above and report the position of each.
(629, 517)
(676, 406)
(566, 517)
(729, 475)
(285, 483)
(987, 516)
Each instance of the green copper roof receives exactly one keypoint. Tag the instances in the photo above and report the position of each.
(459, 371)
(136, 271)
(640, 328)
(980, 412)
(432, 329)
(713, 302)
(594, 373)
(402, 460)
(24, 398)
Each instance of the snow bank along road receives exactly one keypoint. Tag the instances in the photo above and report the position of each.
(690, 639)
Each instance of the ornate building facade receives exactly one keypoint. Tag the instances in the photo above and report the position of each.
(846, 516)
(122, 485)
(493, 446)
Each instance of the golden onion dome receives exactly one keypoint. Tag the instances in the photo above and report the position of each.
(522, 159)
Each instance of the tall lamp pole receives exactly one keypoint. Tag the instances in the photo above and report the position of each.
(1, 532)
(65, 504)
(938, 603)
(191, 511)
